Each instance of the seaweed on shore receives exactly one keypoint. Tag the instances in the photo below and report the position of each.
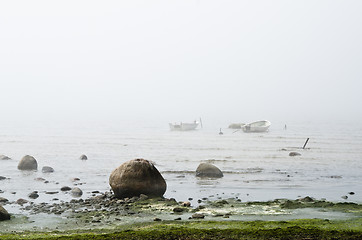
(295, 229)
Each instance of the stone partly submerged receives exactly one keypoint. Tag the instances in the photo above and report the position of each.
(47, 169)
(83, 157)
(135, 177)
(28, 163)
(4, 215)
(208, 170)
(3, 157)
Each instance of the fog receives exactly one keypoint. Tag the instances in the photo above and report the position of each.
(235, 61)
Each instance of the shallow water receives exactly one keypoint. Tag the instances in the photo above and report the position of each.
(256, 166)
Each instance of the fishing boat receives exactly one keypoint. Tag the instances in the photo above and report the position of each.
(183, 126)
(258, 126)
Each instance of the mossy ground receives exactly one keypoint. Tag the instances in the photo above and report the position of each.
(295, 229)
(104, 224)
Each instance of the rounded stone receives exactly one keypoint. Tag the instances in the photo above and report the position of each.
(33, 195)
(208, 170)
(28, 163)
(135, 177)
(47, 169)
(83, 157)
(4, 215)
(76, 192)
(3, 157)
(293, 154)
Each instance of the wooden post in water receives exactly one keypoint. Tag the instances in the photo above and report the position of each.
(305, 144)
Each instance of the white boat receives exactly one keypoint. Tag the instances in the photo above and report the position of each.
(183, 126)
(258, 126)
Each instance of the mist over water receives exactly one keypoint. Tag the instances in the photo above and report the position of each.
(256, 166)
(105, 79)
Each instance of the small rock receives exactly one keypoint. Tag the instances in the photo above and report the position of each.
(2, 177)
(344, 197)
(3, 157)
(157, 219)
(47, 169)
(307, 199)
(33, 195)
(351, 193)
(176, 219)
(3, 200)
(143, 197)
(292, 154)
(21, 201)
(39, 179)
(83, 157)
(198, 216)
(208, 170)
(186, 204)
(65, 188)
(76, 192)
(178, 209)
(55, 192)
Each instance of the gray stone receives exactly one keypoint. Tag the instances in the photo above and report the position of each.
(83, 157)
(65, 188)
(3, 157)
(208, 170)
(76, 192)
(47, 169)
(198, 216)
(135, 177)
(33, 195)
(4, 215)
(293, 154)
(21, 201)
(28, 163)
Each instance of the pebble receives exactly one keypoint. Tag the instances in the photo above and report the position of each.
(198, 216)
(65, 188)
(33, 195)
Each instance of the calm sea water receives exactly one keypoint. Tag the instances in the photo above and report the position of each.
(256, 166)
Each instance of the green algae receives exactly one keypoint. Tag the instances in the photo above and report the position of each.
(273, 219)
(295, 229)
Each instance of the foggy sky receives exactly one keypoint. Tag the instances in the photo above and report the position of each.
(180, 60)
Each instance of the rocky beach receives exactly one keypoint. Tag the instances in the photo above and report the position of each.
(199, 181)
(139, 201)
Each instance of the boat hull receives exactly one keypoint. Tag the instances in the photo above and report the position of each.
(183, 126)
(259, 126)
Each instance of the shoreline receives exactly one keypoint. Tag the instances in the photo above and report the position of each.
(105, 214)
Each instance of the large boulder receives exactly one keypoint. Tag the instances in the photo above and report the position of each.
(4, 215)
(28, 163)
(135, 177)
(208, 170)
